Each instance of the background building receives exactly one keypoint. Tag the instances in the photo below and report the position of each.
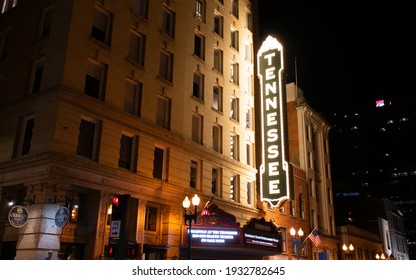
(373, 158)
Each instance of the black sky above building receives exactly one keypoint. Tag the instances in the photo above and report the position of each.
(347, 54)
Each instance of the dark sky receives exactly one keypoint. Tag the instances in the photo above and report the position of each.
(348, 54)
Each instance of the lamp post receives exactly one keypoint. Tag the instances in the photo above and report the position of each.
(348, 250)
(189, 217)
(297, 241)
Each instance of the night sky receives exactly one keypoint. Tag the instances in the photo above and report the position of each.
(347, 55)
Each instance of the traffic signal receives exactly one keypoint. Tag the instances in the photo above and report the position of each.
(119, 206)
(118, 232)
(112, 251)
(132, 250)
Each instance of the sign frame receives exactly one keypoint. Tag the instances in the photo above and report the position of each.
(274, 169)
(18, 216)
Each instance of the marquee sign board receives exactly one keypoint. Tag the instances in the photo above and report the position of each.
(213, 236)
(274, 170)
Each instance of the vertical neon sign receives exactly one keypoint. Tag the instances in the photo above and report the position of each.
(274, 170)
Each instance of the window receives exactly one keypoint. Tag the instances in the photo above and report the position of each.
(234, 38)
(168, 23)
(234, 73)
(234, 110)
(200, 9)
(95, 79)
(101, 26)
(292, 207)
(217, 138)
(128, 153)
(218, 59)
(284, 239)
(249, 83)
(301, 207)
(234, 144)
(45, 22)
(249, 152)
(215, 180)
(197, 128)
(78, 208)
(4, 34)
(218, 24)
(199, 46)
(249, 117)
(133, 97)
(25, 137)
(163, 112)
(166, 66)
(234, 8)
(198, 86)
(137, 48)
(36, 77)
(151, 218)
(234, 187)
(217, 98)
(140, 7)
(194, 174)
(248, 49)
(250, 193)
(88, 139)
(7, 5)
(249, 20)
(160, 163)
(311, 188)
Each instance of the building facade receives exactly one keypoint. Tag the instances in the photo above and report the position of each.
(308, 134)
(117, 110)
(154, 99)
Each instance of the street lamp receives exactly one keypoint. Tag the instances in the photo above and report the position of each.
(190, 217)
(380, 257)
(348, 250)
(297, 241)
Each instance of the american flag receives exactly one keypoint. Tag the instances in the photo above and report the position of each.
(314, 237)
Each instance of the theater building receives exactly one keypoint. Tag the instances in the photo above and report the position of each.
(112, 112)
(101, 99)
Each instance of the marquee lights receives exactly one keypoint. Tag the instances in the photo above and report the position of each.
(274, 170)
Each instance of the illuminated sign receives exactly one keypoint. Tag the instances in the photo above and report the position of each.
(260, 240)
(205, 236)
(380, 103)
(274, 170)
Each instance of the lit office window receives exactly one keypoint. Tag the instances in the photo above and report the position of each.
(217, 98)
